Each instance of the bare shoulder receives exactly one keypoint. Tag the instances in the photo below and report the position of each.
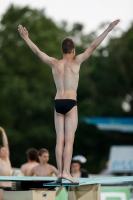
(23, 165)
(75, 65)
(78, 58)
(51, 166)
(36, 167)
(54, 62)
(53, 169)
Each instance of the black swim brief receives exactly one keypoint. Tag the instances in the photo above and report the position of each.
(63, 106)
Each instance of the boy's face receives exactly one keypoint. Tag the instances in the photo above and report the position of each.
(44, 158)
(75, 167)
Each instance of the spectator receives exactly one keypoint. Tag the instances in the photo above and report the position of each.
(32, 154)
(5, 164)
(43, 169)
(76, 170)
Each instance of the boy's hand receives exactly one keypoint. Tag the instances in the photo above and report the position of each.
(113, 24)
(23, 32)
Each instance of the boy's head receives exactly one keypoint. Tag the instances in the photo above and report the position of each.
(32, 154)
(68, 46)
(43, 155)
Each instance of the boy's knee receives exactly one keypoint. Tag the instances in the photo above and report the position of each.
(60, 140)
(68, 140)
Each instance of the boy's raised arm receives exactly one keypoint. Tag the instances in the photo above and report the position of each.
(44, 57)
(82, 57)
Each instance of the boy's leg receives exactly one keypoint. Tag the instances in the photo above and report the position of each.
(59, 126)
(71, 120)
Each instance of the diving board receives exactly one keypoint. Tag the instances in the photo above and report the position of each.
(36, 188)
(100, 180)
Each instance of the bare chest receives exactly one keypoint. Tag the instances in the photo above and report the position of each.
(43, 171)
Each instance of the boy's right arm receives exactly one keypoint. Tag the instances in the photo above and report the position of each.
(44, 57)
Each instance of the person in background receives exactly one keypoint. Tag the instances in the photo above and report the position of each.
(76, 170)
(32, 155)
(5, 164)
(43, 169)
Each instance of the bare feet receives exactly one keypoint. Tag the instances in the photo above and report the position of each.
(69, 178)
